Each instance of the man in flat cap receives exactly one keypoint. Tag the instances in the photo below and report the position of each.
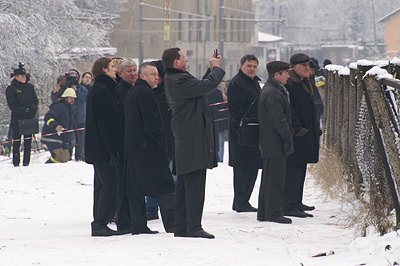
(306, 136)
(276, 142)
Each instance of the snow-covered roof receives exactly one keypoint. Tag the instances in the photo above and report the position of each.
(389, 15)
(266, 37)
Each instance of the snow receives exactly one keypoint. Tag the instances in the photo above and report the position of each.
(364, 62)
(380, 73)
(395, 61)
(381, 63)
(46, 212)
(333, 67)
(266, 37)
(344, 71)
(353, 65)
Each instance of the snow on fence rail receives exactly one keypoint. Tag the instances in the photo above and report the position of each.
(361, 125)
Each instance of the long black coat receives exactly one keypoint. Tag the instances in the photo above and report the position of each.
(242, 91)
(166, 115)
(275, 118)
(101, 121)
(146, 161)
(191, 121)
(19, 97)
(60, 113)
(119, 96)
(306, 148)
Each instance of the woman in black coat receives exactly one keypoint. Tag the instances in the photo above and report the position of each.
(23, 102)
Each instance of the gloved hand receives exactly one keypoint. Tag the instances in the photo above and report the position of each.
(302, 132)
(114, 159)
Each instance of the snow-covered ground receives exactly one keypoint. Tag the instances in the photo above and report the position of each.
(46, 210)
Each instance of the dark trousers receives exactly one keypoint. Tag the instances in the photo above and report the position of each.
(132, 214)
(27, 148)
(104, 194)
(295, 176)
(270, 198)
(80, 143)
(243, 184)
(189, 202)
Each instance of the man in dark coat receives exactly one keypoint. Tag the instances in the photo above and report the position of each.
(101, 145)
(23, 102)
(243, 90)
(306, 131)
(151, 203)
(59, 117)
(276, 142)
(192, 127)
(146, 161)
(127, 71)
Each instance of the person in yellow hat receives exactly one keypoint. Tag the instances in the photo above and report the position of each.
(56, 121)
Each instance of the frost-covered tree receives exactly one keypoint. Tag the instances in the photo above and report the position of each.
(309, 22)
(40, 32)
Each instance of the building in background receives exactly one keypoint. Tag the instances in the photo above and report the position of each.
(198, 27)
(392, 30)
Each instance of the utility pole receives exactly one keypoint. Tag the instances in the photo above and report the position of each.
(221, 32)
(140, 33)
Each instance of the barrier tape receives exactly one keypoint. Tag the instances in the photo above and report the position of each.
(72, 130)
(45, 135)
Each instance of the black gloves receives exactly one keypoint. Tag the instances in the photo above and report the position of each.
(114, 159)
(302, 132)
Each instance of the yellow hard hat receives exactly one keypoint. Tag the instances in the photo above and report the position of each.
(69, 92)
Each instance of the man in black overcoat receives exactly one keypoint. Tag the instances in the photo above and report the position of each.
(127, 71)
(146, 159)
(192, 127)
(276, 142)
(23, 102)
(306, 136)
(242, 91)
(101, 145)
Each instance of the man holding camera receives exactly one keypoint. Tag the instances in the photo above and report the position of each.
(23, 102)
(192, 127)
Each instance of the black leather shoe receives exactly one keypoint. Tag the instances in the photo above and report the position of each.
(307, 214)
(146, 231)
(25, 164)
(104, 232)
(295, 213)
(202, 234)
(152, 216)
(281, 220)
(261, 219)
(307, 208)
(250, 209)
